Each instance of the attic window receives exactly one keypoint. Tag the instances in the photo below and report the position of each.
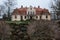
(30, 13)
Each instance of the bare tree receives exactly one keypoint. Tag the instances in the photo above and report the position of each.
(2, 9)
(4, 31)
(10, 5)
(42, 30)
(56, 8)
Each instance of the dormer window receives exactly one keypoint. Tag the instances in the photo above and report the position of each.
(30, 12)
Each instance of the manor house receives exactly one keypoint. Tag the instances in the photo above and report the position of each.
(25, 13)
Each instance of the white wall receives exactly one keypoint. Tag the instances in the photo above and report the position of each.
(49, 17)
(16, 19)
(29, 10)
(24, 17)
(38, 17)
(44, 17)
(19, 17)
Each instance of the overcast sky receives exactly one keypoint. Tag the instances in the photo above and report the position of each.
(41, 3)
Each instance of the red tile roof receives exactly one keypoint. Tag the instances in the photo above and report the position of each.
(23, 11)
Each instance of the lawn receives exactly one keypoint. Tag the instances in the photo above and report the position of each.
(17, 22)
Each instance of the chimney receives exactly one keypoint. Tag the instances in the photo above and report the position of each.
(21, 6)
(26, 7)
(34, 7)
(38, 6)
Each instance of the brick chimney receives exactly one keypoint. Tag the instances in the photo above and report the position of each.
(26, 7)
(21, 6)
(34, 7)
(38, 6)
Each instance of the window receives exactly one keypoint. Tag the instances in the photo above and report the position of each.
(46, 16)
(25, 17)
(36, 16)
(21, 18)
(28, 13)
(58, 23)
(33, 12)
(15, 16)
(40, 17)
